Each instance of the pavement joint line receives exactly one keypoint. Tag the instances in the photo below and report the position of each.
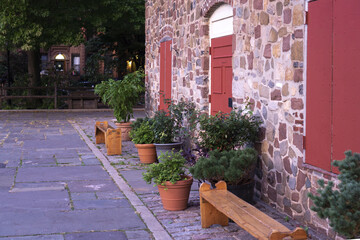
(37, 189)
(152, 223)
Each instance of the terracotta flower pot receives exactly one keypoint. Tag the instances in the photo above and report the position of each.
(147, 153)
(176, 196)
(125, 130)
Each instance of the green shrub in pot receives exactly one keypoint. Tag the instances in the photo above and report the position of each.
(228, 131)
(122, 95)
(143, 134)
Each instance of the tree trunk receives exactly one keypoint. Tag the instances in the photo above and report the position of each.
(34, 75)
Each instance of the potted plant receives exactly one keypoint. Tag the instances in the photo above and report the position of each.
(228, 131)
(235, 167)
(122, 95)
(142, 135)
(173, 127)
(173, 184)
(341, 204)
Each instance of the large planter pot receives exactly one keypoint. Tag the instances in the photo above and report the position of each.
(125, 130)
(163, 147)
(244, 191)
(147, 153)
(176, 196)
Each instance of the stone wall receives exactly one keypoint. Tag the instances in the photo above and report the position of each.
(268, 71)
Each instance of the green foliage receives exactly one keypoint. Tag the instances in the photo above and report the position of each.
(171, 168)
(122, 95)
(342, 206)
(176, 124)
(164, 127)
(227, 131)
(234, 167)
(143, 134)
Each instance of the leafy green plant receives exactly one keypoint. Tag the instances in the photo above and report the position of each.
(234, 167)
(171, 168)
(175, 124)
(342, 206)
(122, 95)
(143, 134)
(228, 131)
(164, 127)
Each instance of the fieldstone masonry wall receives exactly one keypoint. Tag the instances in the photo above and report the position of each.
(268, 71)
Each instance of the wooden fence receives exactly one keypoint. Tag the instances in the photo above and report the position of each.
(76, 97)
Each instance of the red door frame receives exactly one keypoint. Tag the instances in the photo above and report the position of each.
(165, 73)
(221, 74)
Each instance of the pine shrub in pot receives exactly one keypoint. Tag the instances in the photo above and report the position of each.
(235, 167)
(173, 184)
(341, 206)
(142, 135)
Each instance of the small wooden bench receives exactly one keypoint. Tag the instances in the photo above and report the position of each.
(104, 133)
(218, 205)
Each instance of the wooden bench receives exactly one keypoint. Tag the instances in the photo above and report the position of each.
(104, 133)
(218, 205)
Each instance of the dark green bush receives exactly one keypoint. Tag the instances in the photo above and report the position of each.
(228, 131)
(342, 206)
(235, 167)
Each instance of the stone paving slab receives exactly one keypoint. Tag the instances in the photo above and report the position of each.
(29, 222)
(92, 186)
(61, 174)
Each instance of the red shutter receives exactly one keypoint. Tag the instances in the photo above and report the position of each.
(346, 72)
(221, 74)
(165, 73)
(319, 80)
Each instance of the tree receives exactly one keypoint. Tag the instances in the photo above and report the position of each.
(342, 206)
(34, 24)
(121, 36)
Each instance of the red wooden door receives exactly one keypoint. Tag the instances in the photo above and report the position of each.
(165, 73)
(319, 77)
(346, 75)
(221, 74)
(333, 81)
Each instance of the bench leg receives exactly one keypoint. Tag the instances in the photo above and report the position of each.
(113, 141)
(298, 234)
(100, 135)
(209, 214)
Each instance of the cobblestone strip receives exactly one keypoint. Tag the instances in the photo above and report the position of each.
(152, 223)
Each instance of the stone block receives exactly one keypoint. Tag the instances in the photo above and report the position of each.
(286, 43)
(272, 193)
(279, 8)
(299, 33)
(298, 141)
(287, 16)
(257, 31)
(273, 35)
(267, 51)
(297, 53)
(297, 104)
(264, 18)
(258, 4)
(287, 165)
(298, 15)
(298, 75)
(276, 95)
(276, 51)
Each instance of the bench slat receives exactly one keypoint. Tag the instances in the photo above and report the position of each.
(244, 214)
